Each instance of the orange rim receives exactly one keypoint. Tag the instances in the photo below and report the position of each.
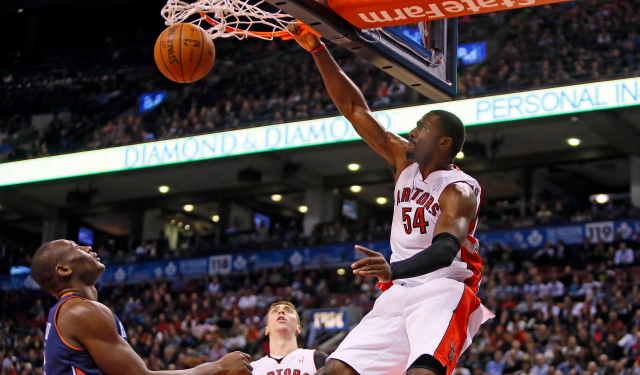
(260, 34)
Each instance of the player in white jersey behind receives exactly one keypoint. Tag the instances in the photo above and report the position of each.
(285, 358)
(429, 312)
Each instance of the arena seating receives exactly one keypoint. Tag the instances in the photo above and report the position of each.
(537, 47)
(551, 318)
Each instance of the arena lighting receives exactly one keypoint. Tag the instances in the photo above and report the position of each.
(381, 200)
(187, 227)
(573, 142)
(341, 271)
(163, 189)
(173, 222)
(276, 197)
(356, 188)
(188, 207)
(215, 218)
(460, 155)
(353, 167)
(602, 198)
(325, 131)
(303, 209)
(180, 224)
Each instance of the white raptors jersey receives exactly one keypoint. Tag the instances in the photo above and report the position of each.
(298, 362)
(416, 210)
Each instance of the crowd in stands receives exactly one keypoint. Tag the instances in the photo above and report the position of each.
(257, 82)
(494, 215)
(573, 42)
(562, 311)
(503, 214)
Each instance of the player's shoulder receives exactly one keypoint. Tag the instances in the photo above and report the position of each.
(458, 189)
(85, 313)
(459, 195)
(76, 306)
(457, 175)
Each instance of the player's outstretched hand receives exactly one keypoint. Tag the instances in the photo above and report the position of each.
(235, 363)
(307, 41)
(373, 265)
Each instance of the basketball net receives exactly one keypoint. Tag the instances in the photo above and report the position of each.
(231, 18)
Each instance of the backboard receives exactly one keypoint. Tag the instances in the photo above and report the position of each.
(422, 55)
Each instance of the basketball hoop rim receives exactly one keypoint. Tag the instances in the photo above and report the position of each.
(285, 35)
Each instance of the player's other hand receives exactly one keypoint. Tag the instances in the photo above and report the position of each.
(307, 41)
(373, 264)
(235, 363)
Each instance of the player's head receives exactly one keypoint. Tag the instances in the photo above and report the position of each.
(62, 264)
(438, 134)
(283, 319)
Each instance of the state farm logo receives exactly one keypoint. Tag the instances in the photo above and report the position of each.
(444, 10)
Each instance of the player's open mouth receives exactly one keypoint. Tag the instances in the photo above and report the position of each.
(282, 319)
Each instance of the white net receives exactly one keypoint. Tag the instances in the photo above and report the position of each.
(227, 18)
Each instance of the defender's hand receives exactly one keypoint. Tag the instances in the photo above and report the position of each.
(307, 40)
(373, 265)
(235, 363)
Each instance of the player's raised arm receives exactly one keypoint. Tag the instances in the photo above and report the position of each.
(93, 327)
(351, 103)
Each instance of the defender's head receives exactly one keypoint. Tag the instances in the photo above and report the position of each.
(438, 134)
(283, 318)
(62, 264)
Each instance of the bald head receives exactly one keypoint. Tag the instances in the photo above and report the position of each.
(62, 264)
(44, 263)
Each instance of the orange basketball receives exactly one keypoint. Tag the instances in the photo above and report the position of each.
(184, 53)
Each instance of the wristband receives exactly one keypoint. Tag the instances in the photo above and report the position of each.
(384, 286)
(319, 48)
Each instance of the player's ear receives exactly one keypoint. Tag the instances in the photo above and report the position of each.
(266, 331)
(445, 142)
(63, 270)
(298, 329)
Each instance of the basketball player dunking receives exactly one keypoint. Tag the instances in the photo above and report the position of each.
(429, 312)
(83, 337)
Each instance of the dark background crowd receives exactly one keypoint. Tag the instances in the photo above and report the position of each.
(89, 88)
(495, 215)
(560, 310)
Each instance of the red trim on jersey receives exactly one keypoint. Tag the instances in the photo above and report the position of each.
(471, 256)
(77, 371)
(474, 263)
(55, 320)
(454, 338)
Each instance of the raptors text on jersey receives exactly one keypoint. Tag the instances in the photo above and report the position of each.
(415, 213)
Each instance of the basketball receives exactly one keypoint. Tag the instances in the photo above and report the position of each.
(184, 53)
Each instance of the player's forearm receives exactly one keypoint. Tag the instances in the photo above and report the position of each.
(439, 255)
(344, 93)
(204, 369)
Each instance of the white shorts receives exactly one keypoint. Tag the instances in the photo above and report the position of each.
(439, 318)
